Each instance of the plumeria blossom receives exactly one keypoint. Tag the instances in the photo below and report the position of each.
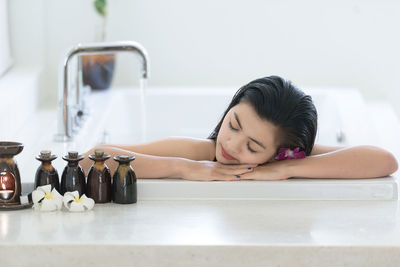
(74, 203)
(287, 153)
(45, 199)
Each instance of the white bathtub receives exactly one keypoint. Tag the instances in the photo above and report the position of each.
(115, 117)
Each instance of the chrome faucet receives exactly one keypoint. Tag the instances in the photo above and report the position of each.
(65, 113)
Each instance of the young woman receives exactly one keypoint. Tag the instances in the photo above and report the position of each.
(266, 133)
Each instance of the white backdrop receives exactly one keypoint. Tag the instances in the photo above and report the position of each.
(5, 56)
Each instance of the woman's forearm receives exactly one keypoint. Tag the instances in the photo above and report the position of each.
(353, 162)
(150, 166)
(145, 166)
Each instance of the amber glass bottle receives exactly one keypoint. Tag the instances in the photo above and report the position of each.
(73, 177)
(98, 186)
(46, 173)
(124, 181)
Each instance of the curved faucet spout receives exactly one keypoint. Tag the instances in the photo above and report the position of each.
(107, 48)
(90, 49)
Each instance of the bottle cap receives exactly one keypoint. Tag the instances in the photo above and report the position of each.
(124, 158)
(73, 154)
(99, 153)
(45, 154)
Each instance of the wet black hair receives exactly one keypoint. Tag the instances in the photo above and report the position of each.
(281, 103)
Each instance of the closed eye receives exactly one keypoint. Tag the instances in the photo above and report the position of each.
(232, 128)
(250, 149)
(248, 143)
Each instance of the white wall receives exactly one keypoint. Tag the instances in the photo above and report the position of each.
(5, 54)
(349, 43)
(27, 32)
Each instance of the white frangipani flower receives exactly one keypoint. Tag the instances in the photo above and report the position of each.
(45, 199)
(73, 202)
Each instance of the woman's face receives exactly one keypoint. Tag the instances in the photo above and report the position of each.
(245, 138)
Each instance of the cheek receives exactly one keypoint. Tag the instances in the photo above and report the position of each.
(223, 133)
(250, 158)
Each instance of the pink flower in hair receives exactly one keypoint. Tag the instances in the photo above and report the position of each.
(287, 153)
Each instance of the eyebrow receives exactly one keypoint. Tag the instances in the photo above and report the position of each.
(252, 139)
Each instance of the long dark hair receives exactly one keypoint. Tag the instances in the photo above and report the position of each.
(283, 104)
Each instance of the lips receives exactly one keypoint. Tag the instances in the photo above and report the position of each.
(226, 155)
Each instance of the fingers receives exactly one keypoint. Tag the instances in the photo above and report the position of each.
(265, 177)
(231, 172)
(230, 169)
(228, 175)
(224, 177)
(235, 171)
(235, 166)
(215, 171)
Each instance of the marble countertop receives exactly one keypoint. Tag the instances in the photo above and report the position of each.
(207, 232)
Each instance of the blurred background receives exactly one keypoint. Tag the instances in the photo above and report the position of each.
(352, 43)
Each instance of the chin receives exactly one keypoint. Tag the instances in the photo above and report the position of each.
(224, 161)
(221, 159)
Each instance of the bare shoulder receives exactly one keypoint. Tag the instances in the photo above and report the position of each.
(209, 145)
(322, 149)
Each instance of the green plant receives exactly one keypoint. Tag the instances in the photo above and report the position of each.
(101, 9)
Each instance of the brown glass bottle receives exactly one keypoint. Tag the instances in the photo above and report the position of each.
(124, 181)
(73, 177)
(46, 173)
(98, 186)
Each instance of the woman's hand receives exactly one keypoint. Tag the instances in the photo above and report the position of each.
(271, 171)
(214, 171)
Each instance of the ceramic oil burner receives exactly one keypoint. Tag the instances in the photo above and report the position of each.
(124, 181)
(46, 173)
(73, 177)
(98, 185)
(10, 180)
